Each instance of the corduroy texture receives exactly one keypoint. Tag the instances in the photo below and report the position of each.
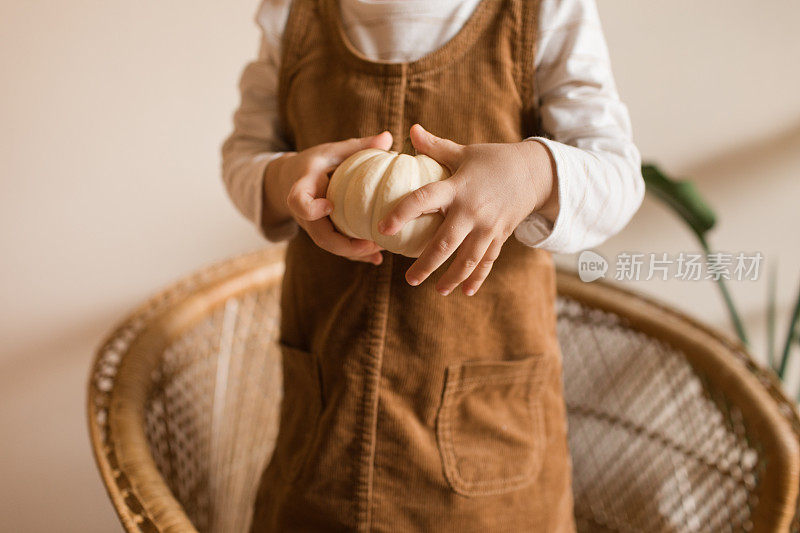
(404, 410)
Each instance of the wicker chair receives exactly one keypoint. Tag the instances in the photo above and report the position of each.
(672, 427)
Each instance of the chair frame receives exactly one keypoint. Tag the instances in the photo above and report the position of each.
(120, 380)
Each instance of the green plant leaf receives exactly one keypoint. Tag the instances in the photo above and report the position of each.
(683, 197)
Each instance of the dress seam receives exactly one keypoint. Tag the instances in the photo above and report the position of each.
(374, 359)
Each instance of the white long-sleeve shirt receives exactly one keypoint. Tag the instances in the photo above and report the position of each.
(588, 129)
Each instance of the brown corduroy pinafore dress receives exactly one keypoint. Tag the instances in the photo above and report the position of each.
(405, 410)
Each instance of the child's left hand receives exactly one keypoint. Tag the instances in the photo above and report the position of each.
(492, 189)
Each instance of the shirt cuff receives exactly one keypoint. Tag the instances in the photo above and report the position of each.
(273, 232)
(536, 230)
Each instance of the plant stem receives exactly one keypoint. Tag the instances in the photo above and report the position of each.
(726, 295)
(787, 347)
(408, 147)
(737, 322)
(772, 357)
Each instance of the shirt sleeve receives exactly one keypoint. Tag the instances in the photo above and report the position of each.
(256, 137)
(588, 130)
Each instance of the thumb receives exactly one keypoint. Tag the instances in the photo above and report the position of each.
(336, 152)
(442, 150)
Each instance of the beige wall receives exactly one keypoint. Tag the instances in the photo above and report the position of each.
(712, 90)
(112, 114)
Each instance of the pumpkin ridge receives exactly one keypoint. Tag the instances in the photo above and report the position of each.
(409, 174)
(360, 194)
(338, 185)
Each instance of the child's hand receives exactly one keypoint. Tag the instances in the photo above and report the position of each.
(297, 182)
(492, 189)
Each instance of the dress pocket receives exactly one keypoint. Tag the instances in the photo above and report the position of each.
(301, 408)
(490, 426)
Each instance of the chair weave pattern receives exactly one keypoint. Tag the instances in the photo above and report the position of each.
(653, 447)
(213, 414)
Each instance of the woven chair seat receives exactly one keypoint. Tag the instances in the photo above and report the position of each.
(672, 427)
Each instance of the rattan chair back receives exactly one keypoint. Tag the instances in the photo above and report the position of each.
(672, 427)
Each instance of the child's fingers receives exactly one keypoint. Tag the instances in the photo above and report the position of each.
(469, 256)
(478, 276)
(306, 199)
(428, 199)
(445, 241)
(382, 141)
(326, 237)
(374, 258)
(334, 153)
(442, 150)
(305, 206)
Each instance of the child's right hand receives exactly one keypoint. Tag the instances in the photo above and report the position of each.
(296, 183)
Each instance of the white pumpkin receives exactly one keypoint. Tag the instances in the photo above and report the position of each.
(369, 183)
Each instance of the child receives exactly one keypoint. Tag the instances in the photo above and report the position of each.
(409, 405)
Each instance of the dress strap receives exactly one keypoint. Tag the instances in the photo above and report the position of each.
(527, 32)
